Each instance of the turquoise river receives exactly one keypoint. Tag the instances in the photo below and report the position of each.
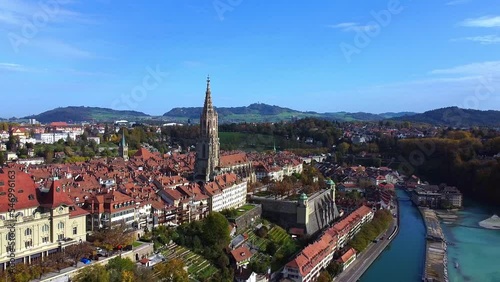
(476, 251)
(403, 259)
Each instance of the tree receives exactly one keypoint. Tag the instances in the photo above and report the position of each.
(20, 273)
(49, 155)
(262, 232)
(115, 237)
(2, 158)
(334, 268)
(121, 264)
(216, 230)
(260, 266)
(94, 273)
(76, 252)
(324, 277)
(59, 260)
(143, 274)
(172, 271)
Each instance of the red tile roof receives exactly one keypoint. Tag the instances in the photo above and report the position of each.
(242, 253)
(347, 255)
(25, 190)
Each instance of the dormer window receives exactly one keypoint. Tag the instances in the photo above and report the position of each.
(31, 197)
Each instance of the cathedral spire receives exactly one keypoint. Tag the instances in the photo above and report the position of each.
(208, 95)
(207, 147)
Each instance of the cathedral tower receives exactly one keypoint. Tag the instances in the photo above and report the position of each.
(207, 147)
(123, 148)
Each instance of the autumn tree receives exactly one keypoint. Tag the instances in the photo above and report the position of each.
(58, 260)
(94, 273)
(324, 276)
(76, 252)
(112, 238)
(172, 271)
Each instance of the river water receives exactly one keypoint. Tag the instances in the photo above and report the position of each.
(475, 249)
(403, 259)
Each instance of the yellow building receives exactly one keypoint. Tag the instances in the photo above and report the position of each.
(36, 220)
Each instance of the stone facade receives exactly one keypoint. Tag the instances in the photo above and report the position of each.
(248, 218)
(309, 214)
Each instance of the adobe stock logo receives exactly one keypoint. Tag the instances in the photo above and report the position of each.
(223, 6)
(31, 27)
(364, 37)
(139, 92)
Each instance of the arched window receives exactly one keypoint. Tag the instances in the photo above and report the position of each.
(45, 228)
(60, 225)
(28, 232)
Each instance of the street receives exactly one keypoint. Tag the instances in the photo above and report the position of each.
(367, 257)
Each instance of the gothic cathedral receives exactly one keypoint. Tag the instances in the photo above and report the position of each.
(207, 147)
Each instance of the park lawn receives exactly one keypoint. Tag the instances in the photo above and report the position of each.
(136, 244)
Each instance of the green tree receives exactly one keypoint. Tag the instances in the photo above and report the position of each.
(172, 271)
(216, 230)
(334, 268)
(94, 273)
(260, 266)
(121, 264)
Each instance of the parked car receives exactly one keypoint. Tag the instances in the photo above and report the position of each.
(85, 260)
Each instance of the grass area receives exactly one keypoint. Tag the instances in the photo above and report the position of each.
(287, 246)
(263, 194)
(136, 244)
(293, 197)
(241, 210)
(198, 267)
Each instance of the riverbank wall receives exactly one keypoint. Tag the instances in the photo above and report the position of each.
(435, 269)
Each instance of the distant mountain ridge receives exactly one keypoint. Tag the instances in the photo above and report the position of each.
(259, 112)
(79, 114)
(456, 117)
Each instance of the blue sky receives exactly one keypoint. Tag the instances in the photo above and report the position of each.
(326, 56)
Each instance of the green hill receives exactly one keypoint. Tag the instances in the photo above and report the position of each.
(78, 114)
(268, 113)
(456, 117)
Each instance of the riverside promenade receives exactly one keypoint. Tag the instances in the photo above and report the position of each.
(365, 259)
(435, 255)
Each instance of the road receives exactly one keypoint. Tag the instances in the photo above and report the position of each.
(366, 258)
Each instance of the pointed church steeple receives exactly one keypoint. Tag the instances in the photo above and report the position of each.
(207, 147)
(208, 96)
(123, 149)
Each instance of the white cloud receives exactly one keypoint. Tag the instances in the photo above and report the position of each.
(485, 39)
(20, 12)
(353, 26)
(12, 67)
(486, 21)
(474, 69)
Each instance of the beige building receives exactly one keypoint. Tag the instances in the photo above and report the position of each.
(42, 220)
